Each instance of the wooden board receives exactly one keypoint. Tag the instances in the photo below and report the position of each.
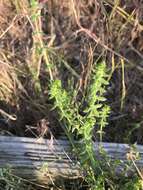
(43, 160)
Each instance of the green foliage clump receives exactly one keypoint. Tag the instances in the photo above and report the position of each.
(96, 112)
(8, 181)
(133, 184)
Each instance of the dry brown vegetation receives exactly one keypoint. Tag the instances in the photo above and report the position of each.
(63, 39)
(71, 36)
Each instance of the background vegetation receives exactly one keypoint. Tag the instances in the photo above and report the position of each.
(75, 64)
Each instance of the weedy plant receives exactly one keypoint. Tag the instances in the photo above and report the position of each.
(8, 181)
(79, 117)
(40, 49)
(95, 112)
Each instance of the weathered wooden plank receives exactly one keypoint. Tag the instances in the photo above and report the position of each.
(38, 159)
(42, 160)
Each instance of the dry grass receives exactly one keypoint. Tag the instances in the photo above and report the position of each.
(49, 39)
(63, 39)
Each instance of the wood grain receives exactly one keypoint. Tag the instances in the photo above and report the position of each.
(42, 160)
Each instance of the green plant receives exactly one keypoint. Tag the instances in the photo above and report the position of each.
(96, 112)
(134, 184)
(8, 181)
(40, 48)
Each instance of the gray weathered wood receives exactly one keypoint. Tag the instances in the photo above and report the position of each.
(38, 159)
(43, 160)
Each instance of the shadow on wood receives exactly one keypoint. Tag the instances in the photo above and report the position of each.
(38, 160)
(44, 161)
